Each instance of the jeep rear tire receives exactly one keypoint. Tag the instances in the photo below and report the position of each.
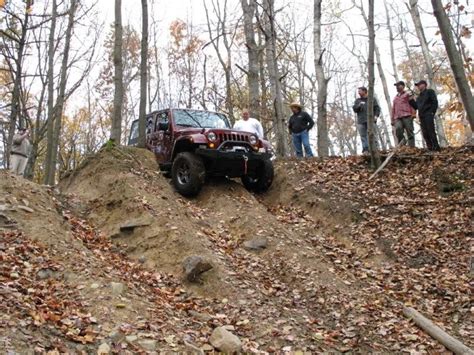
(262, 182)
(188, 174)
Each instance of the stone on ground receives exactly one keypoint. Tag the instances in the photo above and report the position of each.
(257, 243)
(225, 341)
(194, 266)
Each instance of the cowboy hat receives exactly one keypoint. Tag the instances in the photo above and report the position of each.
(296, 104)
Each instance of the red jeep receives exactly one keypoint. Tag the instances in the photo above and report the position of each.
(191, 145)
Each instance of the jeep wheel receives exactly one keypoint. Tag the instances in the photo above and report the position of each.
(263, 180)
(188, 174)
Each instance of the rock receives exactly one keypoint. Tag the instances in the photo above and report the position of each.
(207, 347)
(225, 341)
(203, 317)
(147, 344)
(141, 259)
(130, 226)
(95, 286)
(117, 288)
(25, 208)
(194, 266)
(14, 275)
(257, 243)
(131, 338)
(44, 274)
(103, 349)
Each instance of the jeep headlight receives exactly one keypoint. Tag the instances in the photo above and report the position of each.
(253, 140)
(212, 137)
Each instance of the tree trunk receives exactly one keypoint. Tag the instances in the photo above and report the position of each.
(59, 107)
(275, 84)
(116, 130)
(322, 121)
(50, 103)
(374, 154)
(15, 99)
(391, 39)
(143, 76)
(415, 15)
(455, 60)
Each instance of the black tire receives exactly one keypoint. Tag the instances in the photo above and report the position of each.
(264, 178)
(188, 174)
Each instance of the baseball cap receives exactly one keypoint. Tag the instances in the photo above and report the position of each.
(421, 82)
(399, 83)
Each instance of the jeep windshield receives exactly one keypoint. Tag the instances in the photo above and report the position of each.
(200, 119)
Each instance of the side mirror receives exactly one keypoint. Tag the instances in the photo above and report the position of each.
(163, 126)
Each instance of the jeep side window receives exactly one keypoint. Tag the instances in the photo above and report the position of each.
(133, 138)
(149, 125)
(162, 121)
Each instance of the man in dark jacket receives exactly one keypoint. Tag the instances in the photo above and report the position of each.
(427, 104)
(360, 108)
(299, 125)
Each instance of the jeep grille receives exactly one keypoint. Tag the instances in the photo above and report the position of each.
(233, 137)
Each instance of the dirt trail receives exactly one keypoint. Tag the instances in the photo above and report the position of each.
(332, 276)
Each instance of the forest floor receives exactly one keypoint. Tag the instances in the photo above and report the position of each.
(98, 260)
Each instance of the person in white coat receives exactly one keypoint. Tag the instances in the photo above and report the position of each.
(249, 124)
(20, 151)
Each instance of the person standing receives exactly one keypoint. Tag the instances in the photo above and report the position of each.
(360, 108)
(19, 151)
(402, 115)
(249, 124)
(299, 125)
(427, 104)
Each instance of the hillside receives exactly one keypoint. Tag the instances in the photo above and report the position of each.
(323, 262)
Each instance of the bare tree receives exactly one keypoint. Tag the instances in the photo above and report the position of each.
(223, 31)
(415, 15)
(322, 121)
(116, 131)
(143, 76)
(269, 31)
(249, 9)
(455, 60)
(50, 103)
(374, 154)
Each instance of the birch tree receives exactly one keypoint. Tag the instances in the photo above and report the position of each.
(116, 130)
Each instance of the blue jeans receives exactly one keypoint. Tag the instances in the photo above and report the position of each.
(362, 129)
(364, 136)
(301, 140)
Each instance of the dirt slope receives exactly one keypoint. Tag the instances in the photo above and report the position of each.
(342, 257)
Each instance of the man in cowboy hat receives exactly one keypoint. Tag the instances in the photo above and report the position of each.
(19, 151)
(299, 125)
(427, 103)
(402, 114)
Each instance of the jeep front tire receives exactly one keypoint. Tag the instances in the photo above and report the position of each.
(188, 174)
(262, 182)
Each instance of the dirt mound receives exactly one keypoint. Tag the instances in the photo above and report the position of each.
(322, 262)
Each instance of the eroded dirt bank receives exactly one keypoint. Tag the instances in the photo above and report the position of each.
(341, 256)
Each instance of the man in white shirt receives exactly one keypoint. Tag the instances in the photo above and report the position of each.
(249, 124)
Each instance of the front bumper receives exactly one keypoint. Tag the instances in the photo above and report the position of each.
(232, 164)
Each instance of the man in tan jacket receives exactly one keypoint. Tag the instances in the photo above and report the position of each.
(20, 151)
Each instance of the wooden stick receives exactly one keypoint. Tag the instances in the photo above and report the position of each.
(387, 159)
(436, 332)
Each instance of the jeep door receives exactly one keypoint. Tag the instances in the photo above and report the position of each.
(161, 138)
